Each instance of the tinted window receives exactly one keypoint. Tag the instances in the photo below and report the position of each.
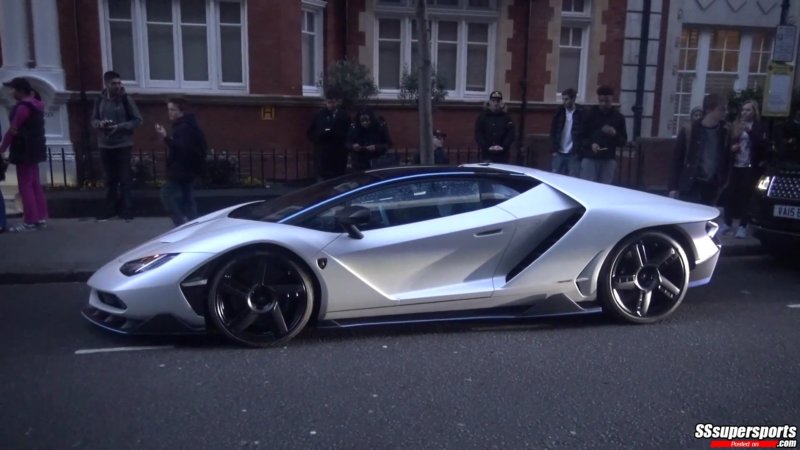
(418, 201)
(282, 207)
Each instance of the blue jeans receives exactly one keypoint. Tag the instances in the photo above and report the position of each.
(567, 164)
(178, 199)
(599, 170)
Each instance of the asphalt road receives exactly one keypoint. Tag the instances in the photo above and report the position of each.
(729, 356)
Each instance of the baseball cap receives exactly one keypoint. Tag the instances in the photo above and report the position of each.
(496, 94)
(19, 83)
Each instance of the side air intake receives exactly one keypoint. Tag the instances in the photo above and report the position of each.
(546, 243)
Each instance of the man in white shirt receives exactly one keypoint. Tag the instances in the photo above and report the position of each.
(565, 134)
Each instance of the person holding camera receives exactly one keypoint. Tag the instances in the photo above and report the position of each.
(115, 116)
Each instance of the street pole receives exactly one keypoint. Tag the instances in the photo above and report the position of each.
(424, 77)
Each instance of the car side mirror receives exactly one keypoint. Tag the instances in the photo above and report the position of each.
(351, 217)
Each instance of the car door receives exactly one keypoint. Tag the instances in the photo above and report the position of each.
(428, 241)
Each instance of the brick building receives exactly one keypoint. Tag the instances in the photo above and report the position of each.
(250, 67)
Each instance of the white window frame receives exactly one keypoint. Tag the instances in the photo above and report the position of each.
(317, 8)
(143, 83)
(463, 15)
(462, 4)
(582, 20)
(764, 52)
(701, 65)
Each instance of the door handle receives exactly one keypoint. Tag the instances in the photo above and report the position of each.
(489, 232)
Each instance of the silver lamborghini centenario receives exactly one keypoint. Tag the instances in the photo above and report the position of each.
(412, 244)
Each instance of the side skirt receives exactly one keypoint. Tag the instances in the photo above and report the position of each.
(557, 305)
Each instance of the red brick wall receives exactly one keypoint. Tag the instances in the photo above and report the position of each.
(540, 46)
(335, 16)
(83, 42)
(355, 38)
(614, 20)
(274, 46)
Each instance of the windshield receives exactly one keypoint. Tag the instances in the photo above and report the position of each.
(279, 208)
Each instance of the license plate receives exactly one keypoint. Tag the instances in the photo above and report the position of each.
(789, 212)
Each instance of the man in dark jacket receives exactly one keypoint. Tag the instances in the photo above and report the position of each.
(494, 131)
(328, 131)
(115, 115)
(700, 160)
(604, 131)
(367, 140)
(565, 132)
(186, 154)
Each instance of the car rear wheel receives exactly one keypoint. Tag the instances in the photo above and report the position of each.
(261, 298)
(645, 278)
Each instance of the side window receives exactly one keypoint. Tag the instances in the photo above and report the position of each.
(407, 203)
(493, 193)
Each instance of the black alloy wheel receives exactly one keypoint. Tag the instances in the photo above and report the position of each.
(261, 298)
(645, 278)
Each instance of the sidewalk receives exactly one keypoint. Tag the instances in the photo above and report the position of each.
(70, 250)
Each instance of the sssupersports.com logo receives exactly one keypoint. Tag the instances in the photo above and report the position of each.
(727, 436)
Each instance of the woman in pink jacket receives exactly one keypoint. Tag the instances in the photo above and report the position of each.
(26, 141)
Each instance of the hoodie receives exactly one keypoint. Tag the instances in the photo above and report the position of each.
(25, 135)
(187, 149)
(123, 113)
(377, 134)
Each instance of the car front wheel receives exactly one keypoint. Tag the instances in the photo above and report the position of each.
(261, 298)
(645, 278)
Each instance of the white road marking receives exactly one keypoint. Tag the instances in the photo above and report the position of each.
(795, 305)
(89, 351)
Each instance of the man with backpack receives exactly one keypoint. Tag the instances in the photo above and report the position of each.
(115, 115)
(186, 157)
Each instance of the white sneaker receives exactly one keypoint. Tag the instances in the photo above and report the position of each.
(741, 232)
(725, 229)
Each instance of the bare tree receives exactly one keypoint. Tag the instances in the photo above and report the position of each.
(424, 75)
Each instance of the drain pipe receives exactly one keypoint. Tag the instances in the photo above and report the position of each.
(644, 39)
(522, 158)
(84, 101)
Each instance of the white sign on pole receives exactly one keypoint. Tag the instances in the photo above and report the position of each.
(777, 99)
(784, 43)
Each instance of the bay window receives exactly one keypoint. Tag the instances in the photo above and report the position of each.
(175, 44)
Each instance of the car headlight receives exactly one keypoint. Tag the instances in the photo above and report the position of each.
(140, 265)
(763, 183)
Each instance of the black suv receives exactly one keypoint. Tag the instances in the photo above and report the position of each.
(775, 209)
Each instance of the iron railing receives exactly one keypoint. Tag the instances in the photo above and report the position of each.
(242, 168)
(224, 168)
